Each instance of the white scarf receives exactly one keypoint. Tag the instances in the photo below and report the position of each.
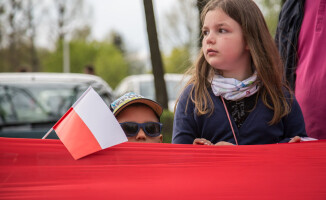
(232, 89)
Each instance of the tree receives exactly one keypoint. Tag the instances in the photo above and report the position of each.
(3, 64)
(14, 27)
(70, 14)
(282, 3)
(17, 30)
(31, 31)
(83, 33)
(81, 52)
(116, 39)
(156, 59)
(108, 61)
(110, 64)
(200, 5)
(181, 34)
(19, 25)
(271, 10)
(135, 64)
(178, 61)
(20, 21)
(182, 29)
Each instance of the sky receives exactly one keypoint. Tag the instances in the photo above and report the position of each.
(127, 18)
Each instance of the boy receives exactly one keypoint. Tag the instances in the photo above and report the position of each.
(139, 117)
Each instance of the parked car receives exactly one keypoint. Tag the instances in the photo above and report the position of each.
(144, 85)
(31, 103)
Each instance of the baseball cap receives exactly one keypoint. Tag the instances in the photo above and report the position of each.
(130, 98)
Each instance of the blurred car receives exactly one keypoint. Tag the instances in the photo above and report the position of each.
(143, 84)
(31, 103)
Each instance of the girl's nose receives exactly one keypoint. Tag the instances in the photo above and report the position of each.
(210, 39)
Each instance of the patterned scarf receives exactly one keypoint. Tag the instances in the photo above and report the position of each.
(232, 89)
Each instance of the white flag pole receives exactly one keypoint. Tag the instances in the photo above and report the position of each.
(46, 135)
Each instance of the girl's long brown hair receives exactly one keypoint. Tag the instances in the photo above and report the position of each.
(264, 55)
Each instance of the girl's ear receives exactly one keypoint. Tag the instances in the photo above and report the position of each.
(246, 42)
(247, 46)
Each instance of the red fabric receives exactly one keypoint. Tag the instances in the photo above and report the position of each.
(44, 169)
(70, 127)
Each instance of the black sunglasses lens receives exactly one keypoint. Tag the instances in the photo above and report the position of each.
(152, 129)
(130, 129)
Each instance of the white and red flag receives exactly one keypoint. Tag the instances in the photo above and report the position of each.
(89, 126)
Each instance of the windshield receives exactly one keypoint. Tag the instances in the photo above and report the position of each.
(39, 102)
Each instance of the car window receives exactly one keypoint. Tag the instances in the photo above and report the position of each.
(40, 102)
(19, 105)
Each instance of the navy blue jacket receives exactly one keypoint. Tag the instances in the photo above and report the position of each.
(255, 130)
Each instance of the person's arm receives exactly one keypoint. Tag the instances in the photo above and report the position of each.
(294, 126)
(184, 124)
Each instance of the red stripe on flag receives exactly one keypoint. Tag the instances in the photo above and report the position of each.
(75, 135)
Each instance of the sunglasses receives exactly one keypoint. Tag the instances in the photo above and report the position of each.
(151, 129)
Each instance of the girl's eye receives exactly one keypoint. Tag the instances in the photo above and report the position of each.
(205, 32)
(221, 30)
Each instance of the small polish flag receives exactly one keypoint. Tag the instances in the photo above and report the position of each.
(88, 126)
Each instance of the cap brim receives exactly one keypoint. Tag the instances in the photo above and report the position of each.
(152, 104)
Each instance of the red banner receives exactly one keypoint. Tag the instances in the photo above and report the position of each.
(44, 169)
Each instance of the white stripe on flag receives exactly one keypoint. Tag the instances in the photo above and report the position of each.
(99, 119)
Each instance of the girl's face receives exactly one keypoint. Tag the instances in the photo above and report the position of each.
(224, 46)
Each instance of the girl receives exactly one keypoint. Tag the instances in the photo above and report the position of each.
(236, 94)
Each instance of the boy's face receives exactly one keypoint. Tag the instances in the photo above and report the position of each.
(139, 114)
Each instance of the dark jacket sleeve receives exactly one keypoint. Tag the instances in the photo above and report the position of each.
(294, 123)
(184, 124)
(287, 34)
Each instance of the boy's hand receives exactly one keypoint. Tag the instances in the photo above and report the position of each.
(201, 141)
